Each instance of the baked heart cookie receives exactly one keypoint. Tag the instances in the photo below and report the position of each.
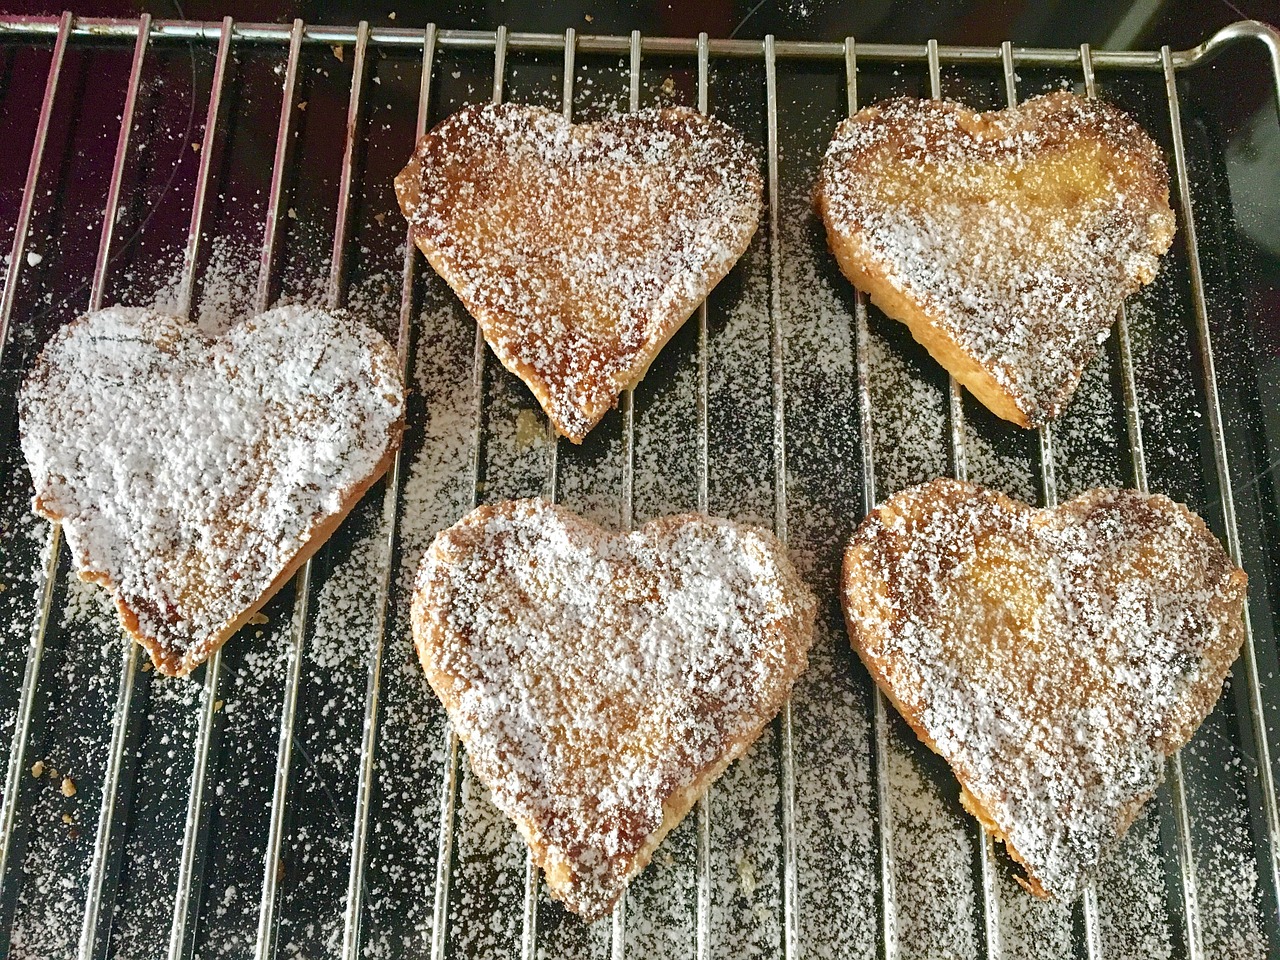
(193, 476)
(580, 248)
(1005, 241)
(1054, 658)
(602, 681)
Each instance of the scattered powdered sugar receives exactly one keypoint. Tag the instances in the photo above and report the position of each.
(1130, 891)
(837, 859)
(580, 248)
(934, 851)
(908, 422)
(592, 675)
(1018, 233)
(405, 822)
(189, 472)
(1225, 845)
(1054, 658)
(227, 289)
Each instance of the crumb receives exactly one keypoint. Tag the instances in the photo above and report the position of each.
(37, 769)
(67, 818)
(530, 428)
(302, 105)
(668, 87)
(293, 215)
(381, 218)
(391, 15)
(68, 787)
(195, 146)
(146, 666)
(217, 705)
(260, 618)
(337, 51)
(588, 17)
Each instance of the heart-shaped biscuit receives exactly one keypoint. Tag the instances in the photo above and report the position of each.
(193, 476)
(580, 249)
(1006, 241)
(601, 681)
(1054, 658)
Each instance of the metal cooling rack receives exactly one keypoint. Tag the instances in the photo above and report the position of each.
(214, 853)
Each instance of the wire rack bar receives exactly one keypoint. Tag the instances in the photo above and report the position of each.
(98, 288)
(49, 569)
(108, 29)
(449, 787)
(191, 257)
(302, 602)
(866, 444)
(955, 394)
(18, 249)
(101, 863)
(618, 932)
(186, 893)
(702, 931)
(777, 347)
(391, 517)
(284, 149)
(26, 702)
(1253, 702)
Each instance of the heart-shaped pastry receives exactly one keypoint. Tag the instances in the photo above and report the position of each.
(1006, 241)
(602, 681)
(580, 249)
(193, 476)
(1054, 658)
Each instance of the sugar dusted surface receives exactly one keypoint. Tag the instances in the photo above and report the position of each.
(593, 675)
(1018, 232)
(188, 472)
(580, 248)
(1054, 658)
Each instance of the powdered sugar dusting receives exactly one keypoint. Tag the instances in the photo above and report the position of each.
(580, 248)
(592, 676)
(188, 472)
(1057, 661)
(1018, 232)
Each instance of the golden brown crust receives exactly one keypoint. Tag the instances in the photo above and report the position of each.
(580, 249)
(600, 681)
(1053, 658)
(1006, 241)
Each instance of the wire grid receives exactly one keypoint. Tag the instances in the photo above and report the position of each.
(104, 864)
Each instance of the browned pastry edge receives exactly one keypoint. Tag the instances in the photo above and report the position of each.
(171, 666)
(408, 185)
